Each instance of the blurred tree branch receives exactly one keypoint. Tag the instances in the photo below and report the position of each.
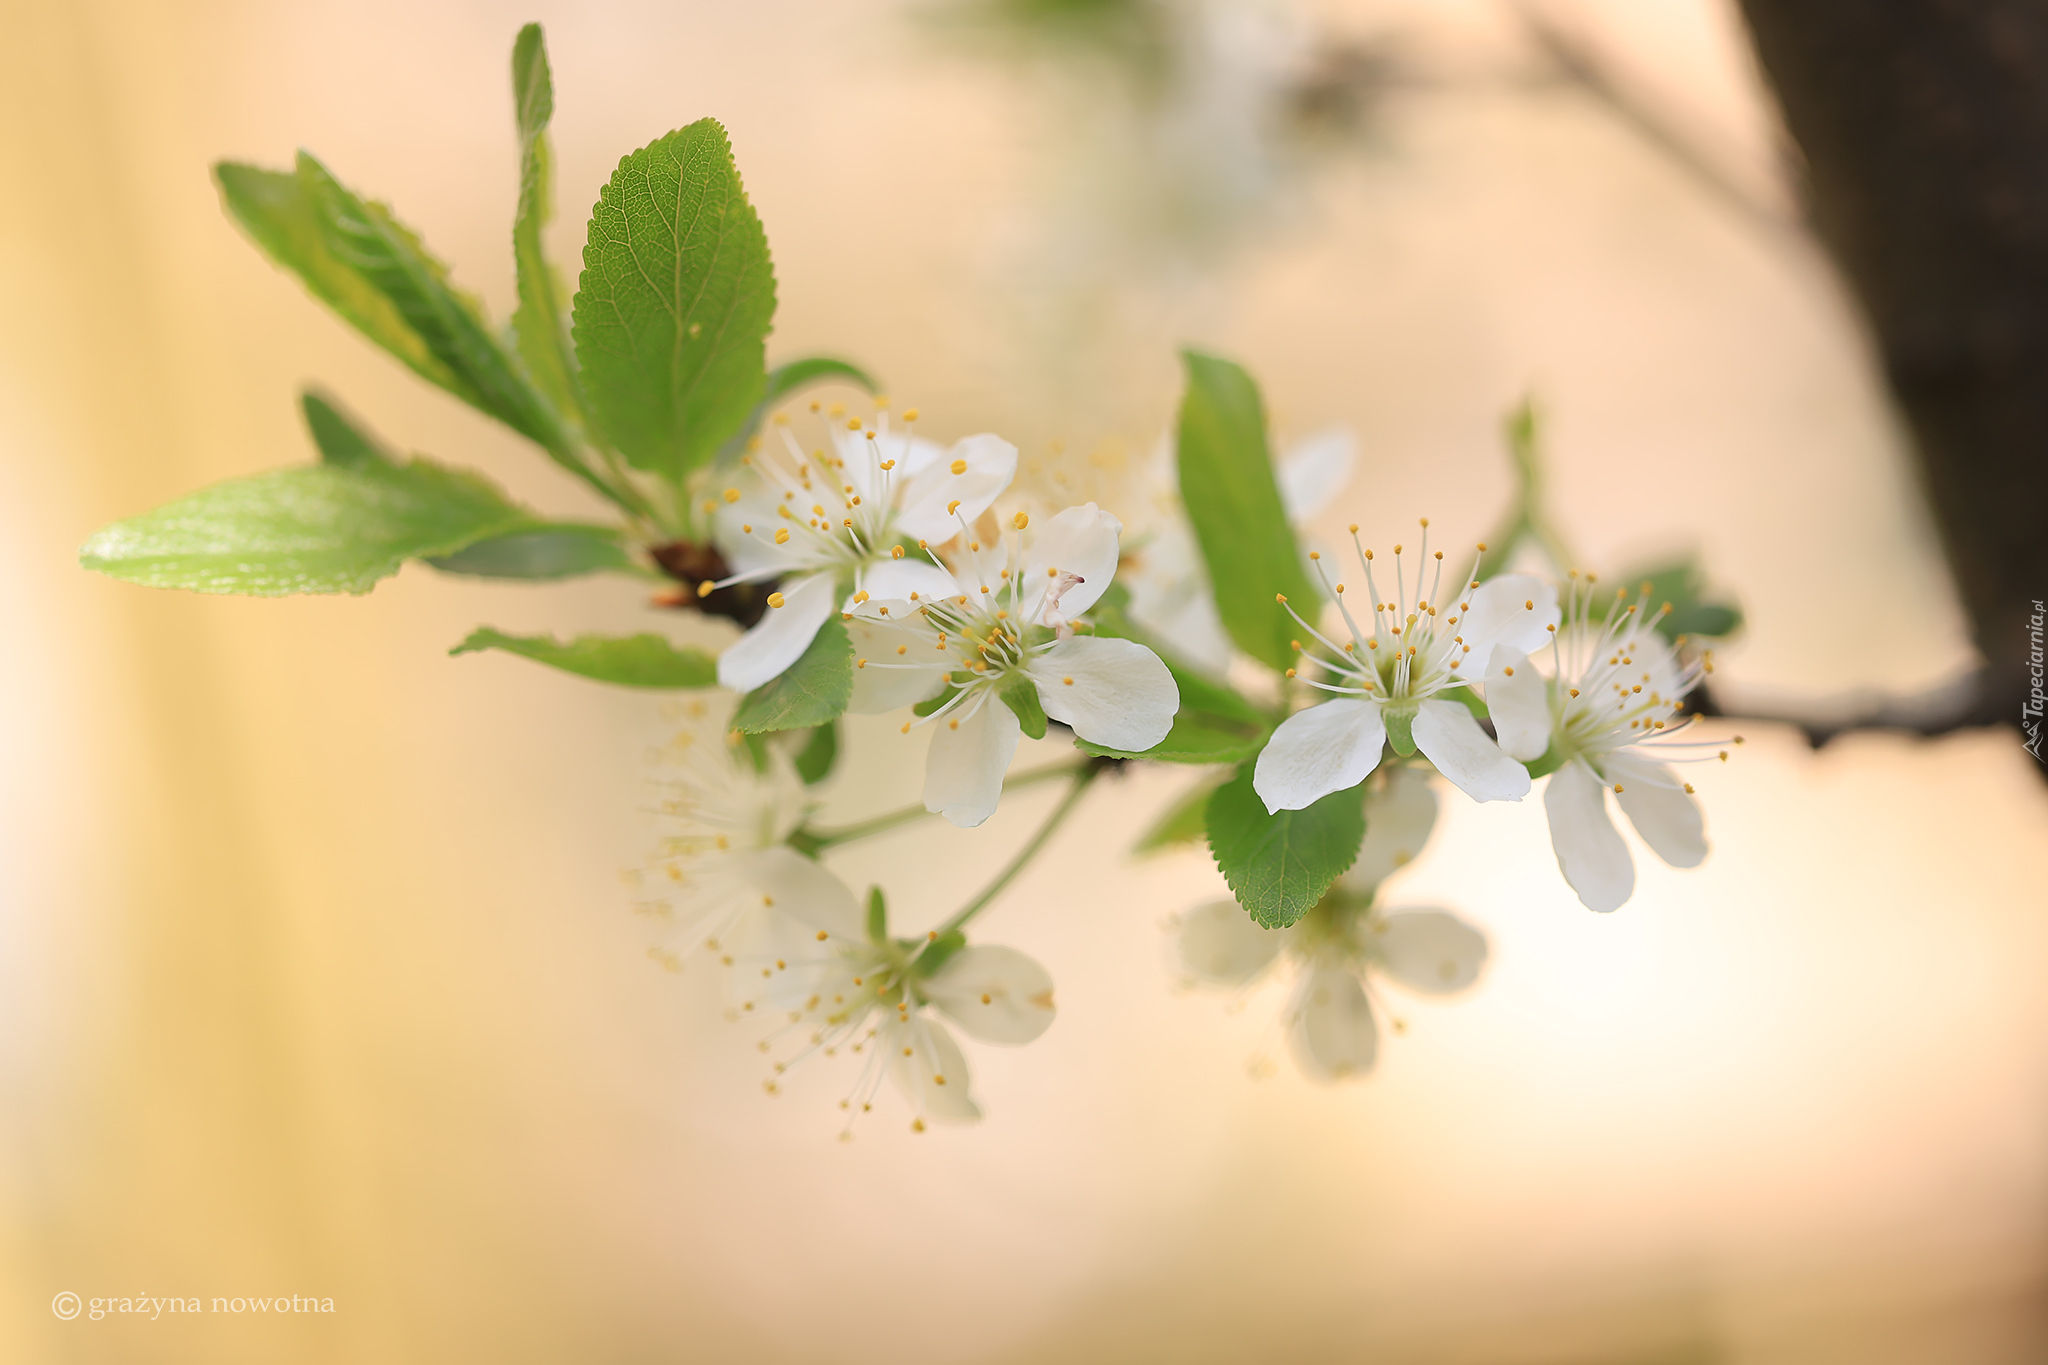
(1924, 128)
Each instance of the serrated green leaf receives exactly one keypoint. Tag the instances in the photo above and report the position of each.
(540, 323)
(814, 762)
(542, 553)
(341, 442)
(1194, 738)
(1020, 694)
(367, 266)
(673, 309)
(1185, 822)
(1233, 504)
(628, 660)
(1279, 865)
(811, 691)
(314, 529)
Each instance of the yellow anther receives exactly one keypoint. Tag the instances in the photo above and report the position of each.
(1425, 523)
(1530, 604)
(1315, 554)
(1509, 672)
(958, 466)
(776, 599)
(1575, 691)
(984, 587)
(906, 727)
(1688, 789)
(1397, 549)
(1340, 589)
(1368, 554)
(895, 552)
(952, 507)
(1280, 597)
(910, 414)
(710, 506)
(853, 424)
(1617, 789)
(706, 588)
(782, 535)
(903, 649)
(860, 663)
(1020, 521)
(952, 725)
(1068, 682)
(732, 495)
(822, 936)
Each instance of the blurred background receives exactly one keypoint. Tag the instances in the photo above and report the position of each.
(317, 974)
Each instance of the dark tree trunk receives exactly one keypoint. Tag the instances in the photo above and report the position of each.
(1924, 125)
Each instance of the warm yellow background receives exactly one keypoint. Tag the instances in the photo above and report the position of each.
(316, 975)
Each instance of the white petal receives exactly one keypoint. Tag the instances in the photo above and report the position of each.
(1514, 609)
(801, 887)
(1314, 470)
(1589, 848)
(963, 774)
(1112, 692)
(1221, 944)
(1656, 803)
(1324, 749)
(1399, 815)
(890, 680)
(991, 462)
(1519, 702)
(898, 578)
(1332, 1033)
(929, 1068)
(1449, 736)
(1432, 951)
(997, 994)
(1081, 541)
(779, 638)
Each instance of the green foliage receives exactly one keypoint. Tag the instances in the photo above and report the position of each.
(540, 327)
(1213, 725)
(629, 660)
(936, 953)
(558, 550)
(811, 691)
(1684, 585)
(1020, 694)
(341, 442)
(1233, 503)
(363, 263)
(321, 528)
(814, 762)
(1185, 822)
(673, 310)
(1279, 865)
(878, 916)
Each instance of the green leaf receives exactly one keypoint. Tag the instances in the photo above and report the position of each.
(878, 917)
(367, 266)
(314, 529)
(341, 441)
(1020, 694)
(1233, 503)
(628, 660)
(786, 379)
(540, 324)
(810, 691)
(673, 310)
(936, 953)
(1280, 865)
(1194, 738)
(1684, 585)
(560, 550)
(1185, 821)
(815, 760)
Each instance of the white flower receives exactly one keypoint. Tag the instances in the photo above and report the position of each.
(1607, 715)
(1001, 626)
(1393, 681)
(1344, 941)
(830, 525)
(885, 1000)
(726, 872)
(1169, 586)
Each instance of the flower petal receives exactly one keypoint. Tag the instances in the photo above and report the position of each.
(971, 750)
(1324, 749)
(1399, 814)
(802, 888)
(1112, 692)
(1080, 541)
(1314, 469)
(1221, 944)
(990, 464)
(997, 994)
(1333, 1033)
(1656, 803)
(899, 578)
(929, 1068)
(890, 679)
(1518, 698)
(1449, 736)
(779, 639)
(1589, 848)
(1514, 609)
(1432, 951)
